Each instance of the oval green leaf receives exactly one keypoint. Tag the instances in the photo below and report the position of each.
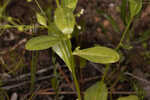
(135, 7)
(98, 91)
(98, 54)
(131, 97)
(41, 42)
(64, 20)
(41, 19)
(69, 3)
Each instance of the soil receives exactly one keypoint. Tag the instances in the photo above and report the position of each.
(129, 76)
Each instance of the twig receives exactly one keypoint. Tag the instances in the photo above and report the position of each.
(96, 67)
(138, 78)
(72, 92)
(25, 82)
(28, 74)
(117, 78)
(18, 44)
(122, 92)
(53, 93)
(90, 79)
(14, 47)
(65, 76)
(51, 89)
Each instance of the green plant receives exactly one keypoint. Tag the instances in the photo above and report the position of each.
(100, 92)
(135, 7)
(59, 35)
(33, 69)
(128, 17)
(60, 32)
(3, 8)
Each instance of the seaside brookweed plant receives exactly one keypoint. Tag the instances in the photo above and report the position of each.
(58, 38)
(59, 35)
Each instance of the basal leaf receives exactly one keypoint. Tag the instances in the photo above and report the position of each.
(41, 42)
(98, 91)
(131, 97)
(135, 7)
(63, 50)
(69, 3)
(98, 54)
(41, 19)
(64, 20)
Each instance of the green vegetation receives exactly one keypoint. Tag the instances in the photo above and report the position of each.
(60, 32)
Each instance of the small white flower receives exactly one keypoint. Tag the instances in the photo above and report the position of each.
(79, 27)
(82, 11)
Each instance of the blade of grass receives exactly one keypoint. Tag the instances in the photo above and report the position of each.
(124, 34)
(33, 69)
(42, 11)
(111, 20)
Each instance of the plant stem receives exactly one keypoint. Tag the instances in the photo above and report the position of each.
(33, 69)
(120, 43)
(75, 78)
(76, 85)
(124, 34)
(57, 2)
(105, 73)
(42, 11)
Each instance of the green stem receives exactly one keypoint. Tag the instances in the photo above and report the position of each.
(33, 69)
(42, 11)
(105, 73)
(39, 7)
(57, 2)
(76, 85)
(124, 34)
(75, 78)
